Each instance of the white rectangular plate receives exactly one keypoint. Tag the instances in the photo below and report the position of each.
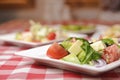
(10, 38)
(39, 54)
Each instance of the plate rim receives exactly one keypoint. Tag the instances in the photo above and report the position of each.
(99, 70)
(20, 42)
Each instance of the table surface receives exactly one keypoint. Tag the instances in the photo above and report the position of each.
(17, 67)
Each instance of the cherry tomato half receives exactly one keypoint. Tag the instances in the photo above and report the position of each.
(51, 36)
(56, 51)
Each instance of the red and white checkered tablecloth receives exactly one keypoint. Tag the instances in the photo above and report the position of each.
(22, 68)
(13, 67)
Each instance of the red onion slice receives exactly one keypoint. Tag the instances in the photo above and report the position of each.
(100, 63)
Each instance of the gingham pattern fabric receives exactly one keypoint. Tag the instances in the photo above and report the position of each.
(13, 67)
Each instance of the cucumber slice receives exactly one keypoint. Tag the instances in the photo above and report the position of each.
(66, 44)
(81, 56)
(18, 36)
(71, 58)
(76, 47)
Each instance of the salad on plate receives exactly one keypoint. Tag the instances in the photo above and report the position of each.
(112, 31)
(89, 28)
(37, 33)
(81, 51)
(43, 33)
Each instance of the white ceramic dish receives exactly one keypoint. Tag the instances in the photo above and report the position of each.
(39, 54)
(10, 38)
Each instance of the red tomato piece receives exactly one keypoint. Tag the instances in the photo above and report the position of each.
(111, 53)
(27, 30)
(51, 36)
(56, 51)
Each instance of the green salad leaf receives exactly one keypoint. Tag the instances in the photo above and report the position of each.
(71, 27)
(91, 54)
(87, 54)
(108, 41)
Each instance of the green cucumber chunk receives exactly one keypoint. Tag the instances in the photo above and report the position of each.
(75, 48)
(81, 56)
(71, 58)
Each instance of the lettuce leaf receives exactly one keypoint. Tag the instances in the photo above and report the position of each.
(108, 41)
(89, 53)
